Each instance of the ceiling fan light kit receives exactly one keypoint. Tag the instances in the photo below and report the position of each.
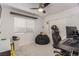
(40, 9)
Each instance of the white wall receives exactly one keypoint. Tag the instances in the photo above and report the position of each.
(7, 30)
(29, 37)
(65, 18)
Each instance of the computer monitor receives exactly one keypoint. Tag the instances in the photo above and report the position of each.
(69, 31)
(78, 31)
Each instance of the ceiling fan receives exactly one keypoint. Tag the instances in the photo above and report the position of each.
(41, 7)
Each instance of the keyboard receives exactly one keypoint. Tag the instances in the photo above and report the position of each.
(71, 43)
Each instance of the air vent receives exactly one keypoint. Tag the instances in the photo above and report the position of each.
(23, 15)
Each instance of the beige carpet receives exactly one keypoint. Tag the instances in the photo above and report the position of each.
(35, 50)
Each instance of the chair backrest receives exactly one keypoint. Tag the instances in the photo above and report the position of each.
(55, 36)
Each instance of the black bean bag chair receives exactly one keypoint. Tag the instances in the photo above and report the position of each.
(42, 39)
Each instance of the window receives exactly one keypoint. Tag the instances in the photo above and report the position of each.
(22, 25)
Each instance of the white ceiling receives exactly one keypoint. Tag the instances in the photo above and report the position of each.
(53, 8)
(25, 6)
(59, 7)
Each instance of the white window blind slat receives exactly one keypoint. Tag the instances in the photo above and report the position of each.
(22, 25)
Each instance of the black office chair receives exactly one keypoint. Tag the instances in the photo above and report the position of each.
(56, 40)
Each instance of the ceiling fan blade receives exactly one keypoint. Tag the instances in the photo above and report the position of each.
(43, 5)
(46, 4)
(34, 8)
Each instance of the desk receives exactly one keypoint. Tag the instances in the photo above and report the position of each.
(67, 48)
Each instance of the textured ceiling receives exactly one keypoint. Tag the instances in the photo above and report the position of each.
(59, 7)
